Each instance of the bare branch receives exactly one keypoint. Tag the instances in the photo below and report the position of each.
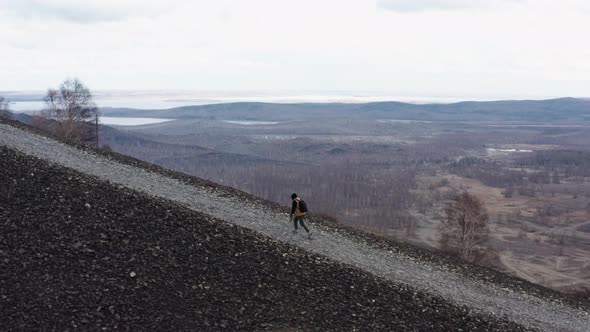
(4, 111)
(71, 105)
(465, 228)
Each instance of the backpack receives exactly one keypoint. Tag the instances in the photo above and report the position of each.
(302, 206)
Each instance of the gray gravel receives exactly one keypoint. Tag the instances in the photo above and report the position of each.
(485, 297)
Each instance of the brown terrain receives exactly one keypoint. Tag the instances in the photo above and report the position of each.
(554, 254)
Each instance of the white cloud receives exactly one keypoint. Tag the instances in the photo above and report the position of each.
(414, 6)
(497, 46)
(87, 11)
(429, 5)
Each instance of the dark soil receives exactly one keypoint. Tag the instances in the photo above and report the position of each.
(80, 253)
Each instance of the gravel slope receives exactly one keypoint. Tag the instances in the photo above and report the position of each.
(77, 252)
(489, 298)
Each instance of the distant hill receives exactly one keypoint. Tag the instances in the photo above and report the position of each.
(568, 110)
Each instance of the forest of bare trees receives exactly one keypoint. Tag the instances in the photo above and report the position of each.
(572, 162)
(366, 194)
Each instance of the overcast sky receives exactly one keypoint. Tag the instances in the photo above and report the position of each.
(407, 47)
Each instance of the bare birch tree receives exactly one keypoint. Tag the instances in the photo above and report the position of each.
(71, 105)
(465, 228)
(4, 111)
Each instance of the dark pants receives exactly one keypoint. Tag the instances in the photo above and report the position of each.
(301, 221)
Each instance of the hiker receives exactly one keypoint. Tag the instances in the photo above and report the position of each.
(299, 208)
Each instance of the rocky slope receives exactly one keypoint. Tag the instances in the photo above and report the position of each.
(157, 250)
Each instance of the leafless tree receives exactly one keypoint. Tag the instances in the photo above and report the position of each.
(4, 111)
(71, 105)
(465, 228)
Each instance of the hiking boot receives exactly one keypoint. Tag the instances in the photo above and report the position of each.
(294, 231)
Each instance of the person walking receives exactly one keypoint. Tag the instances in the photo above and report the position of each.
(299, 209)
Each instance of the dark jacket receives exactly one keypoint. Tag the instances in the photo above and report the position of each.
(295, 208)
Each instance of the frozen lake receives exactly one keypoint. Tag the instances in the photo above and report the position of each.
(250, 123)
(31, 106)
(494, 151)
(116, 121)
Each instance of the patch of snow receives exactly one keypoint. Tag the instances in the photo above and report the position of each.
(250, 123)
(494, 151)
